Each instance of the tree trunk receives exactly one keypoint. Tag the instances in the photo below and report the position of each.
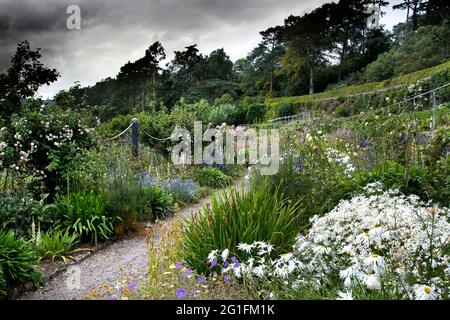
(271, 81)
(154, 85)
(311, 79)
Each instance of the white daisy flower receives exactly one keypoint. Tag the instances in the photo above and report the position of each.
(371, 281)
(424, 292)
(245, 247)
(344, 295)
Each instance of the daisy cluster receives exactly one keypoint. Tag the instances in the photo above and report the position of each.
(378, 242)
(342, 160)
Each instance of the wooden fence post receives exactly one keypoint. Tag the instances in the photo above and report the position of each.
(433, 121)
(135, 137)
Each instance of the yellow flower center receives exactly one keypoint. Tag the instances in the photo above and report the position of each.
(427, 290)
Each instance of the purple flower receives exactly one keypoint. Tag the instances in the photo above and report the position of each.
(181, 293)
(178, 265)
(132, 286)
(226, 264)
(227, 278)
(202, 279)
(112, 298)
(188, 272)
(299, 164)
(235, 261)
(213, 262)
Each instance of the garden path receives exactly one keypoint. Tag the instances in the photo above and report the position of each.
(127, 257)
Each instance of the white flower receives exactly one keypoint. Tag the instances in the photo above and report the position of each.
(245, 247)
(374, 261)
(212, 255)
(225, 254)
(344, 295)
(363, 239)
(423, 292)
(371, 281)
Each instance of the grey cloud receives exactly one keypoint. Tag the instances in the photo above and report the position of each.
(115, 31)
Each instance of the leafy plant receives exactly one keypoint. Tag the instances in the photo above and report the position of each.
(213, 178)
(182, 190)
(17, 211)
(240, 217)
(85, 214)
(18, 263)
(154, 202)
(57, 244)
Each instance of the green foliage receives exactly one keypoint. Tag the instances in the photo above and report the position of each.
(18, 211)
(225, 113)
(285, 110)
(154, 203)
(17, 262)
(237, 217)
(213, 178)
(57, 244)
(85, 214)
(425, 182)
(421, 49)
(255, 113)
(42, 141)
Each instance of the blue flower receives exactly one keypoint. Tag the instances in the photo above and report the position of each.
(235, 261)
(132, 286)
(226, 278)
(226, 264)
(178, 265)
(299, 164)
(181, 293)
(213, 262)
(202, 279)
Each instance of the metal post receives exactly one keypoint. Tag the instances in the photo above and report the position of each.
(135, 137)
(433, 98)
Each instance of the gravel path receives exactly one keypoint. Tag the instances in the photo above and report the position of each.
(126, 257)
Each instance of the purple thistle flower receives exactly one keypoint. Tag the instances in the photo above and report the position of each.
(202, 279)
(235, 262)
(213, 262)
(178, 265)
(132, 286)
(226, 278)
(181, 293)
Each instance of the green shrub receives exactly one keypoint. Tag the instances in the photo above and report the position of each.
(425, 182)
(85, 214)
(154, 202)
(285, 110)
(255, 113)
(213, 178)
(342, 111)
(18, 264)
(225, 113)
(239, 217)
(18, 211)
(57, 244)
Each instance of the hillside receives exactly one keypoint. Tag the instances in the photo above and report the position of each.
(396, 88)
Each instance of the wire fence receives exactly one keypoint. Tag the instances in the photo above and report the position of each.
(420, 102)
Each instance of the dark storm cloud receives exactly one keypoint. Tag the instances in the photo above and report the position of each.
(115, 31)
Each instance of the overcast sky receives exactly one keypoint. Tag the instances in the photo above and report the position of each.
(116, 31)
